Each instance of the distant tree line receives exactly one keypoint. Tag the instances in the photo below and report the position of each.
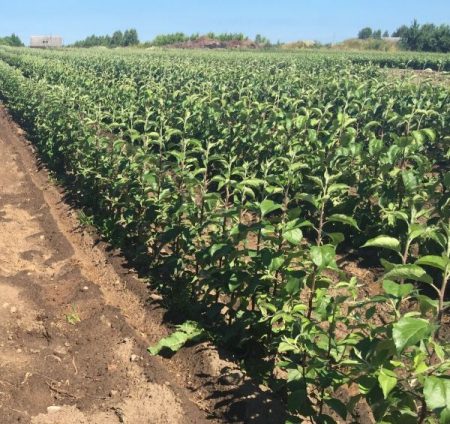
(131, 38)
(117, 39)
(173, 38)
(180, 37)
(368, 32)
(262, 41)
(427, 37)
(227, 36)
(11, 40)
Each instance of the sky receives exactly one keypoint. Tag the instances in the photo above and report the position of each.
(279, 20)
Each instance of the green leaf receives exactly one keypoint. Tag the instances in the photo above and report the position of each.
(118, 145)
(387, 265)
(293, 236)
(298, 401)
(397, 290)
(336, 238)
(188, 331)
(418, 136)
(408, 272)
(276, 263)
(172, 132)
(436, 391)
(375, 146)
(385, 242)
(323, 256)
(294, 213)
(153, 135)
(308, 198)
(444, 418)
(297, 166)
(372, 124)
(417, 231)
(420, 365)
(366, 383)
(447, 180)
(338, 407)
(409, 180)
(248, 191)
(253, 182)
(409, 331)
(292, 286)
(430, 133)
(316, 180)
(434, 261)
(299, 308)
(344, 219)
(387, 380)
(149, 178)
(268, 206)
(427, 304)
(220, 249)
(234, 283)
(337, 187)
(284, 347)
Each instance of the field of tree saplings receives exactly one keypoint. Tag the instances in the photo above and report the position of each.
(292, 208)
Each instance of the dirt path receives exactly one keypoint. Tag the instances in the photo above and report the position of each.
(72, 345)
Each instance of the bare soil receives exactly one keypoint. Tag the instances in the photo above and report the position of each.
(75, 323)
(420, 76)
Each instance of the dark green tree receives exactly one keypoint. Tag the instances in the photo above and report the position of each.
(117, 39)
(261, 40)
(427, 37)
(399, 32)
(365, 33)
(130, 38)
(377, 34)
(168, 39)
(12, 40)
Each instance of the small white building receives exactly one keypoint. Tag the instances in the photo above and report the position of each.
(46, 41)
